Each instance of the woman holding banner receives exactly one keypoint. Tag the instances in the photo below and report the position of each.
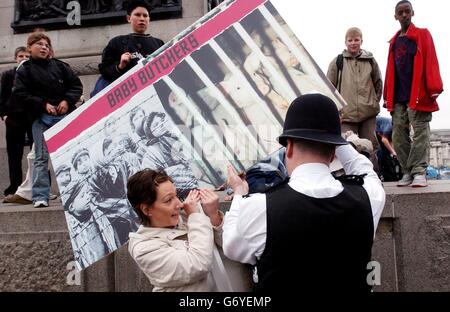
(174, 246)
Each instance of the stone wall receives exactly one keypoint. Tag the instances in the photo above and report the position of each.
(35, 249)
(412, 246)
(413, 239)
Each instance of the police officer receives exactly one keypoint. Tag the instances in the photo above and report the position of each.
(327, 223)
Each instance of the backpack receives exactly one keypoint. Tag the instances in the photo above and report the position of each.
(267, 173)
(340, 66)
(390, 168)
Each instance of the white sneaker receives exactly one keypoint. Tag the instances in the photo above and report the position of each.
(40, 204)
(420, 180)
(52, 196)
(406, 180)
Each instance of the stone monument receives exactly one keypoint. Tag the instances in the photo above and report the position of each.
(52, 14)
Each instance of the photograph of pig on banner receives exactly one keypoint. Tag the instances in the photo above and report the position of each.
(215, 94)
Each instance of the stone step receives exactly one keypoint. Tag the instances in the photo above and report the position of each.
(445, 220)
(447, 230)
(27, 219)
(30, 237)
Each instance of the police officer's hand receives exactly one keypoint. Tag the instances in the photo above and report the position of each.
(238, 184)
(124, 60)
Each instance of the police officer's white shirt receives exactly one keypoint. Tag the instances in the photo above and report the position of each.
(245, 225)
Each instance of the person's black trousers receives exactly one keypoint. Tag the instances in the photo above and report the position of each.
(16, 128)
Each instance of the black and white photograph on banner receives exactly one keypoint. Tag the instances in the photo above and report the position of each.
(93, 188)
(216, 94)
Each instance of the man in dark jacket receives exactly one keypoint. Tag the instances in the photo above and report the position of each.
(124, 52)
(49, 90)
(17, 123)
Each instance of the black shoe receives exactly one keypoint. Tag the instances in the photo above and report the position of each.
(10, 190)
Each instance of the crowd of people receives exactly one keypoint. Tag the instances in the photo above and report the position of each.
(331, 220)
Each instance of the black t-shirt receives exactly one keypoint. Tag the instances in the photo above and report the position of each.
(404, 52)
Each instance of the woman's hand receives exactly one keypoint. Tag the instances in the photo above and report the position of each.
(191, 201)
(210, 204)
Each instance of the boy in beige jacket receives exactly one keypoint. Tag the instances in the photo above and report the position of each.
(359, 82)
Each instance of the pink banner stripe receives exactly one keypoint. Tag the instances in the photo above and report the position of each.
(102, 107)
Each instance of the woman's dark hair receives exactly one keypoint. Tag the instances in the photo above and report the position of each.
(142, 188)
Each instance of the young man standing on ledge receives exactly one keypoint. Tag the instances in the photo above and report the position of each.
(413, 83)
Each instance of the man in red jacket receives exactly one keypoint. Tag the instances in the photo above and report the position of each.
(413, 83)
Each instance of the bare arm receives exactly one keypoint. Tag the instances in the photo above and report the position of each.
(388, 145)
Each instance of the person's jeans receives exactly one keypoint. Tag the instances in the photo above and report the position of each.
(41, 179)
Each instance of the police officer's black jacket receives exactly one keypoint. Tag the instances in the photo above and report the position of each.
(132, 43)
(46, 81)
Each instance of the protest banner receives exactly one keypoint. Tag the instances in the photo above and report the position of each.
(215, 94)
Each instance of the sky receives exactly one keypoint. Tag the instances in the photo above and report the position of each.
(320, 25)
